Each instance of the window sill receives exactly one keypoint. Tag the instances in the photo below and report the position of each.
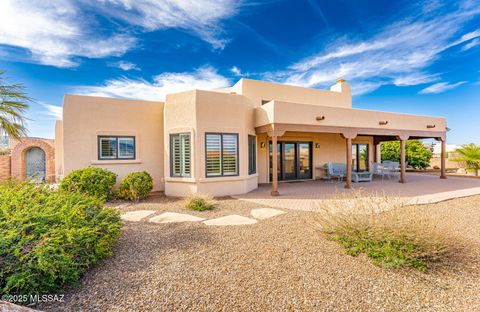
(116, 162)
(180, 179)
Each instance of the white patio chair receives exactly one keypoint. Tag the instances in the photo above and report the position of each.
(379, 169)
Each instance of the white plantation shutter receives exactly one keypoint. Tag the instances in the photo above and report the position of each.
(108, 148)
(221, 154)
(180, 155)
(214, 156)
(230, 154)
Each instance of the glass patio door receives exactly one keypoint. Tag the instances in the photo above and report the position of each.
(294, 160)
(360, 157)
(304, 161)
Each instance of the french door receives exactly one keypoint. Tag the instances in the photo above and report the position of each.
(294, 160)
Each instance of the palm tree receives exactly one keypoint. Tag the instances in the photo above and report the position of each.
(469, 156)
(13, 105)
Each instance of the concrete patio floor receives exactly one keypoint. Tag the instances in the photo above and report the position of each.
(419, 189)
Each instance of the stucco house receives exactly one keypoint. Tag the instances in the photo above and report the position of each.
(221, 142)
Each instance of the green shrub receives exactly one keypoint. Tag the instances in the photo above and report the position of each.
(416, 154)
(135, 186)
(389, 236)
(96, 182)
(49, 238)
(199, 202)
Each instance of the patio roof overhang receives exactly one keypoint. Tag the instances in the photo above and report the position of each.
(286, 116)
(276, 117)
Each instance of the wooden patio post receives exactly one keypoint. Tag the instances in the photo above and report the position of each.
(274, 167)
(378, 153)
(403, 139)
(443, 156)
(348, 139)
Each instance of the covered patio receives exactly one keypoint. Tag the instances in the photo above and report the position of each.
(421, 189)
(276, 118)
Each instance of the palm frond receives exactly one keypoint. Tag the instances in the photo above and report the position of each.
(14, 103)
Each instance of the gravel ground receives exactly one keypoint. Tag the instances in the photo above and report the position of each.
(277, 264)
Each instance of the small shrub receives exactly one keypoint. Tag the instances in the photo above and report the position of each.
(49, 238)
(135, 186)
(380, 229)
(96, 182)
(199, 202)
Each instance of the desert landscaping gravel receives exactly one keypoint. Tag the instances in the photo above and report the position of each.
(277, 264)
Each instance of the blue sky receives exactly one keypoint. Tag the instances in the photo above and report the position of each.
(419, 57)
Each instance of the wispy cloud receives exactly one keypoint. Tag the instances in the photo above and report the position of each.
(126, 66)
(475, 42)
(236, 71)
(205, 78)
(56, 112)
(54, 32)
(58, 32)
(441, 87)
(202, 17)
(400, 53)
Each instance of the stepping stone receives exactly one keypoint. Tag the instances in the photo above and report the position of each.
(265, 213)
(170, 217)
(231, 220)
(136, 215)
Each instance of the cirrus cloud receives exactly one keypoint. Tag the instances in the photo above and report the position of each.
(400, 54)
(441, 87)
(204, 78)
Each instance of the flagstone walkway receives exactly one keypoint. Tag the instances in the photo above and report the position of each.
(173, 217)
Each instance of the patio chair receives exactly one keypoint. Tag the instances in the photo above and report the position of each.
(379, 169)
(337, 170)
(391, 168)
(362, 176)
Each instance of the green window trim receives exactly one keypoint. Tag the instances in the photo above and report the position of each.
(180, 155)
(252, 154)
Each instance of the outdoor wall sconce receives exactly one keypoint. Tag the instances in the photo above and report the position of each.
(383, 123)
(430, 126)
(262, 144)
(317, 145)
(320, 118)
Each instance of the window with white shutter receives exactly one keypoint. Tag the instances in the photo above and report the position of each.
(116, 147)
(221, 151)
(180, 151)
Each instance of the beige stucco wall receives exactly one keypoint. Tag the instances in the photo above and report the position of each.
(58, 150)
(339, 95)
(85, 118)
(296, 113)
(200, 112)
(332, 149)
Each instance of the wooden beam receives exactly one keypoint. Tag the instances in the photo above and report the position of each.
(443, 156)
(402, 160)
(348, 178)
(357, 130)
(274, 167)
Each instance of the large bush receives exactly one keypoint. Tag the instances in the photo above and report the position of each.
(91, 181)
(417, 155)
(50, 238)
(135, 186)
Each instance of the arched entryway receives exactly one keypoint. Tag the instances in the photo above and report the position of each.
(35, 164)
(33, 158)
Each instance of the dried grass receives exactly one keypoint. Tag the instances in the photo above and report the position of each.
(383, 229)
